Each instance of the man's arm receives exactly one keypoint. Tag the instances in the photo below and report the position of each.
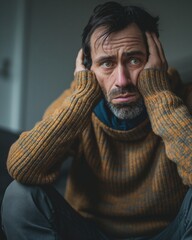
(170, 118)
(36, 156)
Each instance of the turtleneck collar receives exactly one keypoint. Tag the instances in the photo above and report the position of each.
(105, 115)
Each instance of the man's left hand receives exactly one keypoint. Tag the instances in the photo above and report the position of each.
(156, 58)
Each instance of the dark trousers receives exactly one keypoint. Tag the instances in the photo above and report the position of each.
(38, 213)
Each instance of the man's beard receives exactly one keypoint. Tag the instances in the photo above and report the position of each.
(125, 110)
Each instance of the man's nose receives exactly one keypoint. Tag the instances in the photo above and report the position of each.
(122, 76)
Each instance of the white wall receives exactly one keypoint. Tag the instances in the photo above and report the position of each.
(54, 30)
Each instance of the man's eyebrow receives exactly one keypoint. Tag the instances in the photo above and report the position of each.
(113, 57)
(104, 58)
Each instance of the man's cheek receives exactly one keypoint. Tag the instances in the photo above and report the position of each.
(99, 77)
(136, 75)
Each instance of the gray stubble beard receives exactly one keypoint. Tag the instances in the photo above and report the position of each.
(127, 111)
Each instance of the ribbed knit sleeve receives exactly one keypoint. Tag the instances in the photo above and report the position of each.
(35, 156)
(170, 119)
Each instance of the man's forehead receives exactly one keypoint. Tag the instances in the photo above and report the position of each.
(131, 35)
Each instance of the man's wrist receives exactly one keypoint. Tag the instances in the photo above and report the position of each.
(87, 84)
(152, 81)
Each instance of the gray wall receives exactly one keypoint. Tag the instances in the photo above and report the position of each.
(55, 29)
(53, 37)
(6, 52)
(12, 22)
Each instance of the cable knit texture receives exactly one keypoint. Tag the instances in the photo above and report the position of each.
(131, 183)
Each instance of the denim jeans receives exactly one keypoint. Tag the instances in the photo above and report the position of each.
(40, 212)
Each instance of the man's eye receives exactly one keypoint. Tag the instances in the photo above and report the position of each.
(134, 61)
(108, 64)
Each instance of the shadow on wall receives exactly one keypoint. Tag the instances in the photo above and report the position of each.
(184, 67)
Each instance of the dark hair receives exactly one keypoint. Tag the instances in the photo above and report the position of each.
(115, 17)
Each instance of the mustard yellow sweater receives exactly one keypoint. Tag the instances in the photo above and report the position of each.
(131, 183)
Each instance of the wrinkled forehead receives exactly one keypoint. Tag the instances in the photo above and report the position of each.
(129, 37)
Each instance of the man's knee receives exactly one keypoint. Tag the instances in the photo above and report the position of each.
(16, 192)
(27, 210)
(21, 202)
(17, 200)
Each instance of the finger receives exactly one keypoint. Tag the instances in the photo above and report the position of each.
(151, 44)
(160, 51)
(154, 60)
(79, 59)
(79, 62)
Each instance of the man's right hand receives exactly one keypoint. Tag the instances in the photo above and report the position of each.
(79, 62)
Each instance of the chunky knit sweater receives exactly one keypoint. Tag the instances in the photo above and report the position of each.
(131, 183)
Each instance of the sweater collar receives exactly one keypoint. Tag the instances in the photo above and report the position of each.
(105, 115)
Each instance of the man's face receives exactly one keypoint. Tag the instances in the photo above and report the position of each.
(117, 63)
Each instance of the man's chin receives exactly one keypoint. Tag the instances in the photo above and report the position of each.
(127, 110)
(123, 105)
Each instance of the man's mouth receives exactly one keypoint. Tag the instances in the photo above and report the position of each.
(124, 98)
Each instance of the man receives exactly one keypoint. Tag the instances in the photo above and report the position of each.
(129, 132)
